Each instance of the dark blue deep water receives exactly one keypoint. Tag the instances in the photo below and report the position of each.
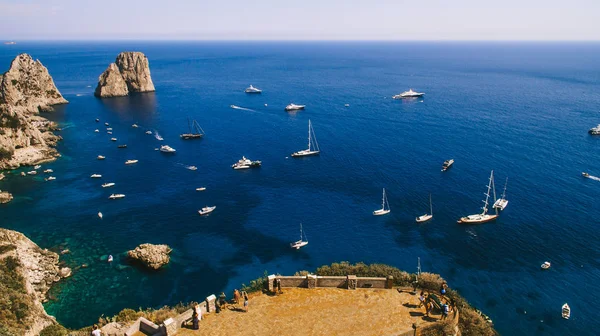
(522, 109)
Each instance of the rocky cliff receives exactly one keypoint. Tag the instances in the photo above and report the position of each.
(27, 89)
(129, 73)
(26, 274)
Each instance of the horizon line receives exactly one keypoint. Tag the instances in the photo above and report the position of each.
(290, 40)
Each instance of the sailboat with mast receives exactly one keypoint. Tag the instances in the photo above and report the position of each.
(194, 131)
(426, 217)
(384, 210)
(502, 202)
(313, 145)
(483, 216)
(302, 242)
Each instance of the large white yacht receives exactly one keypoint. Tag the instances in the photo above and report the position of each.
(252, 89)
(595, 130)
(245, 163)
(167, 149)
(409, 94)
(294, 107)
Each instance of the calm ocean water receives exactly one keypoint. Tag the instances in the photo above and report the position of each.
(522, 109)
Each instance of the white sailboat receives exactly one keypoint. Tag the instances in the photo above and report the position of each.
(383, 210)
(502, 202)
(302, 242)
(426, 217)
(313, 145)
(483, 216)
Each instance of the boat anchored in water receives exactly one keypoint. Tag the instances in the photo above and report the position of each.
(107, 185)
(447, 164)
(502, 202)
(294, 107)
(483, 216)
(50, 178)
(206, 210)
(135, 126)
(100, 214)
(48, 171)
(100, 157)
(201, 189)
(32, 172)
(313, 146)
(384, 210)
(408, 94)
(595, 130)
(97, 130)
(113, 139)
(149, 132)
(196, 133)
(96, 176)
(128, 162)
(545, 265)
(252, 89)
(245, 163)
(116, 196)
(302, 242)
(566, 311)
(167, 149)
(426, 217)
(192, 167)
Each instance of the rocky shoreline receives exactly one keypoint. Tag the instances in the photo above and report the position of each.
(35, 270)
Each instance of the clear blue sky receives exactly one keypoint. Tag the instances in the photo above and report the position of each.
(300, 20)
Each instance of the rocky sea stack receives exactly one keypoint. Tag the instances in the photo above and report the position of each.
(27, 89)
(129, 73)
(150, 255)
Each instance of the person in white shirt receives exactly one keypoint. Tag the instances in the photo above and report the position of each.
(96, 331)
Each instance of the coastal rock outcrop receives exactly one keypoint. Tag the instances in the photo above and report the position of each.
(150, 255)
(27, 272)
(129, 73)
(5, 197)
(26, 90)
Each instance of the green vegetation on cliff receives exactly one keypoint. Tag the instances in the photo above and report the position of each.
(15, 303)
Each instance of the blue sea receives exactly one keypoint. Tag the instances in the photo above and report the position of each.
(521, 109)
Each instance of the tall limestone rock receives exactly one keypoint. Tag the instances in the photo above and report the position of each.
(26, 138)
(129, 73)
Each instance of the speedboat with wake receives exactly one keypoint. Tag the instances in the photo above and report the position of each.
(252, 89)
(484, 216)
(408, 94)
(206, 210)
(294, 107)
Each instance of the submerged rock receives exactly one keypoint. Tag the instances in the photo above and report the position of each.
(150, 255)
(5, 197)
(129, 73)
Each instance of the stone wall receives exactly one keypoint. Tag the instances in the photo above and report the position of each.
(312, 281)
(331, 281)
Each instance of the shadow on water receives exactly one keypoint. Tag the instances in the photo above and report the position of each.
(136, 106)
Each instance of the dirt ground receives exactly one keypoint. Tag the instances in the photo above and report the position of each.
(319, 311)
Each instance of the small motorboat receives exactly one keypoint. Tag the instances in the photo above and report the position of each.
(100, 214)
(347, 105)
(109, 129)
(545, 265)
(106, 124)
(201, 189)
(135, 126)
(113, 139)
(96, 176)
(50, 178)
(97, 120)
(100, 157)
(128, 162)
(167, 149)
(584, 174)
(48, 171)
(37, 167)
(33, 172)
(108, 132)
(294, 107)
(107, 185)
(566, 311)
(149, 132)
(206, 210)
(97, 130)
(192, 167)
(110, 258)
(122, 146)
(116, 196)
(447, 164)
(23, 174)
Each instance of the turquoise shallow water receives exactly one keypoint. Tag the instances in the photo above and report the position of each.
(520, 109)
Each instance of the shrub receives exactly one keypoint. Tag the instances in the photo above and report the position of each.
(472, 324)
(14, 82)
(257, 284)
(6, 153)
(343, 268)
(6, 248)
(430, 281)
(54, 330)
(438, 329)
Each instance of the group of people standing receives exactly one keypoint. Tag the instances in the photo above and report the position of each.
(427, 300)
(237, 295)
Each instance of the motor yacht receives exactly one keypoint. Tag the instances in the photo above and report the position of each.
(294, 107)
(96, 176)
(595, 130)
(167, 149)
(245, 163)
(116, 196)
(108, 185)
(408, 94)
(128, 162)
(252, 89)
(447, 164)
(100, 157)
(206, 210)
